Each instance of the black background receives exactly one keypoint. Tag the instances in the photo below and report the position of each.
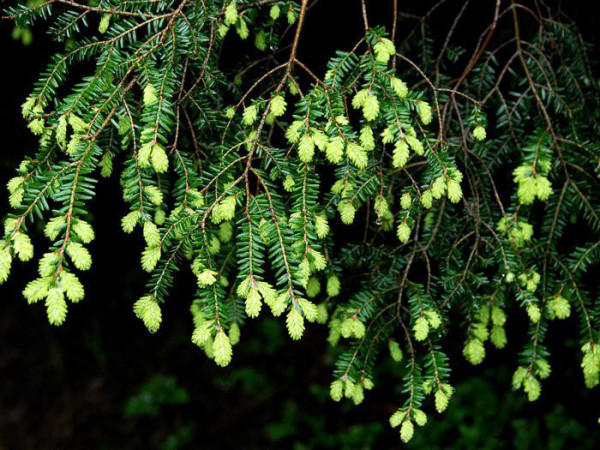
(65, 387)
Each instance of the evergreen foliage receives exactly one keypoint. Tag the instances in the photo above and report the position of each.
(252, 178)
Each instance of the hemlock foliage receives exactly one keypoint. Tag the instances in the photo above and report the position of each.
(373, 198)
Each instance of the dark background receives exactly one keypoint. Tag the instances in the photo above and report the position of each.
(102, 381)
